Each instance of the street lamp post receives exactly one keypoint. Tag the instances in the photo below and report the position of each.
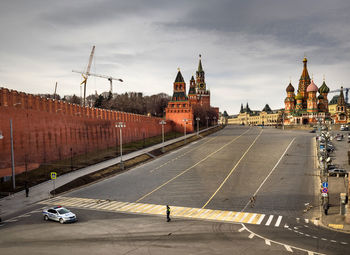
(121, 125)
(162, 122)
(198, 119)
(185, 120)
(12, 159)
(207, 118)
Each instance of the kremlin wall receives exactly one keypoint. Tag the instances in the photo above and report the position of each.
(45, 130)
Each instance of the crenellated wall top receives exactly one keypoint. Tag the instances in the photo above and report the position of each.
(20, 100)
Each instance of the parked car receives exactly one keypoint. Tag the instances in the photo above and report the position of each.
(59, 213)
(339, 138)
(336, 171)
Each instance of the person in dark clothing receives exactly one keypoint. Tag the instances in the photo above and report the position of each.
(168, 213)
(27, 189)
(325, 208)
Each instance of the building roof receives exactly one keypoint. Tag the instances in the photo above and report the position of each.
(267, 109)
(179, 77)
(200, 68)
(341, 100)
(334, 100)
(324, 88)
(312, 87)
(290, 88)
(305, 73)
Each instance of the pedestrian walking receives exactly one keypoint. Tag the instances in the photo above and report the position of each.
(168, 213)
(27, 189)
(325, 208)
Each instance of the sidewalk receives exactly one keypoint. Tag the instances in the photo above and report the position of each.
(19, 201)
(336, 186)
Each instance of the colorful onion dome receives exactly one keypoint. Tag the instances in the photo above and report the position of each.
(320, 97)
(312, 87)
(324, 88)
(299, 97)
(290, 88)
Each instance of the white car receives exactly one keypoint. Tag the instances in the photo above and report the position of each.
(59, 213)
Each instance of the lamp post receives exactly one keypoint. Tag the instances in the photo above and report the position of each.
(121, 125)
(207, 118)
(198, 119)
(162, 122)
(12, 159)
(185, 120)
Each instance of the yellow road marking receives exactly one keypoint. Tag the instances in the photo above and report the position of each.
(185, 171)
(336, 226)
(233, 169)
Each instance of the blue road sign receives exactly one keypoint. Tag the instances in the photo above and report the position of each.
(325, 184)
(324, 190)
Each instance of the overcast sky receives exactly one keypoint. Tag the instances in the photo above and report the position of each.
(250, 48)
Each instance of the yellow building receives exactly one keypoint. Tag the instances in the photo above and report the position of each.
(266, 117)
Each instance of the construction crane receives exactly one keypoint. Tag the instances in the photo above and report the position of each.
(110, 78)
(346, 93)
(87, 72)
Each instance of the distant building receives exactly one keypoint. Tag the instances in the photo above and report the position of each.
(339, 109)
(180, 108)
(266, 117)
(306, 107)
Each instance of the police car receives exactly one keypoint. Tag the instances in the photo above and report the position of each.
(59, 213)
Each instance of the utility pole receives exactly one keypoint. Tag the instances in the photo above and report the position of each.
(12, 159)
(162, 122)
(121, 125)
(198, 119)
(185, 120)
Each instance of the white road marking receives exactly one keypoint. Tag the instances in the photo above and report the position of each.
(12, 220)
(314, 237)
(288, 248)
(295, 227)
(307, 220)
(273, 169)
(323, 239)
(251, 235)
(307, 235)
(343, 242)
(244, 216)
(267, 242)
(260, 219)
(278, 221)
(310, 253)
(252, 218)
(298, 219)
(269, 220)
(333, 241)
(24, 215)
(241, 229)
(286, 226)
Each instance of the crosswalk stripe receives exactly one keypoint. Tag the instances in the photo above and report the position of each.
(244, 216)
(251, 235)
(252, 218)
(153, 209)
(278, 221)
(269, 220)
(262, 216)
(223, 215)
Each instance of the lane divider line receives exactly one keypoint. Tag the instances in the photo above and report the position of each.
(232, 170)
(272, 170)
(185, 171)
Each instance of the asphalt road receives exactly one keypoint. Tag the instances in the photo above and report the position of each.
(217, 174)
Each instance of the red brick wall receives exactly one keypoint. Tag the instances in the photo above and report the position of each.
(45, 130)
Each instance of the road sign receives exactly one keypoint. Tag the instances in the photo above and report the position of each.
(53, 175)
(325, 184)
(325, 194)
(324, 190)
